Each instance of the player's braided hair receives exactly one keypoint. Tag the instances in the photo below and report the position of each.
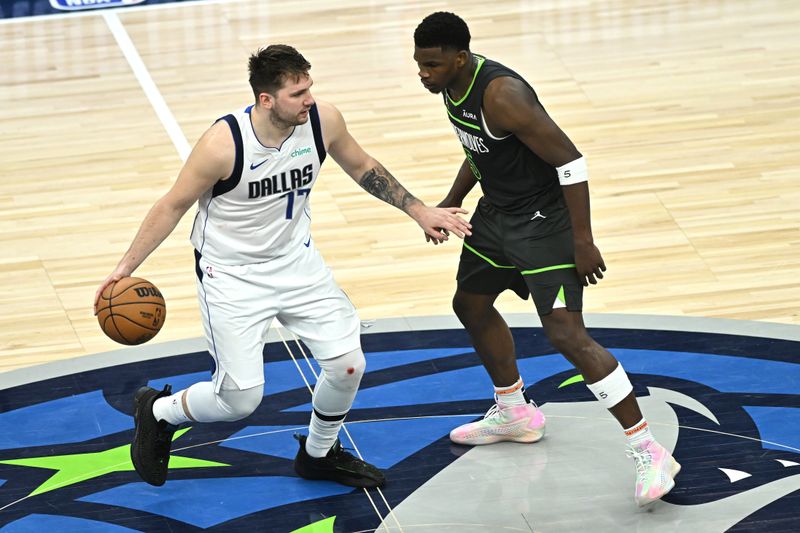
(271, 66)
(442, 29)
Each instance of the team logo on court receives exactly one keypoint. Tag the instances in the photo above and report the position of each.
(77, 5)
(731, 403)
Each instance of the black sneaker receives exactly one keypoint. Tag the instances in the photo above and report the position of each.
(339, 466)
(151, 439)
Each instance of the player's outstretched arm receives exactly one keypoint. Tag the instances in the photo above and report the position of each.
(210, 160)
(512, 107)
(379, 182)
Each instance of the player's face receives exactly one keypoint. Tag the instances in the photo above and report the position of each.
(437, 68)
(293, 101)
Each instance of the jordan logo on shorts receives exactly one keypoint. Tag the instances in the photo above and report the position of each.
(537, 214)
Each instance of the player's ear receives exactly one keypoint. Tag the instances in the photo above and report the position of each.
(462, 57)
(266, 100)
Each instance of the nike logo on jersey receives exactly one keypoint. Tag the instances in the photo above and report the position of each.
(307, 242)
(253, 167)
(537, 214)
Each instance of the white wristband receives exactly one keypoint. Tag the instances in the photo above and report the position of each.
(573, 172)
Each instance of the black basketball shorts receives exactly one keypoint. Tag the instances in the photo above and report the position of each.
(529, 254)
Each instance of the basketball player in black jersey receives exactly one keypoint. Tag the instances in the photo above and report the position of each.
(531, 233)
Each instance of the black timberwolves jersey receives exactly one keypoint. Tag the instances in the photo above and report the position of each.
(513, 178)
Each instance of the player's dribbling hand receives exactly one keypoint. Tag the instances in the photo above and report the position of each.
(114, 276)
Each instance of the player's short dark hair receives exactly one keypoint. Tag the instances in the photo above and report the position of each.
(442, 29)
(271, 66)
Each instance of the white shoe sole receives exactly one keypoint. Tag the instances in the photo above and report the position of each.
(676, 467)
(527, 438)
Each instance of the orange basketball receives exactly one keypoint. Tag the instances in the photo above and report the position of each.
(131, 311)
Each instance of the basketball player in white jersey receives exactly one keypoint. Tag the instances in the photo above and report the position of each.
(252, 174)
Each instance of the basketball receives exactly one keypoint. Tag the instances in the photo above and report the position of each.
(131, 311)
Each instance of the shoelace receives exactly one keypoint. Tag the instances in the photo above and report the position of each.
(494, 411)
(341, 452)
(642, 459)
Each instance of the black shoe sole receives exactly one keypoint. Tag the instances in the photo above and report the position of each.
(360, 482)
(338, 477)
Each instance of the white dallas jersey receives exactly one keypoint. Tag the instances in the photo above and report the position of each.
(262, 210)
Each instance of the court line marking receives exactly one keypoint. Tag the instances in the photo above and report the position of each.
(148, 85)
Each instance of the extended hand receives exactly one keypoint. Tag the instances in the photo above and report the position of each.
(589, 263)
(439, 222)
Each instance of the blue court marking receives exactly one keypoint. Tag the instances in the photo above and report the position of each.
(724, 373)
(276, 442)
(279, 376)
(394, 358)
(180, 381)
(36, 523)
(388, 442)
(470, 383)
(383, 443)
(208, 502)
(72, 419)
(777, 424)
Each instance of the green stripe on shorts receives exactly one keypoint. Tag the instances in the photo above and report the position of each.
(545, 269)
(476, 252)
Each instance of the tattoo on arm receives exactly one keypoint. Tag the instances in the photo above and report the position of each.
(380, 183)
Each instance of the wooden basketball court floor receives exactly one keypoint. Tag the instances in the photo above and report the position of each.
(688, 114)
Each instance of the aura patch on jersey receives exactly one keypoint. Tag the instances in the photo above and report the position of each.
(733, 400)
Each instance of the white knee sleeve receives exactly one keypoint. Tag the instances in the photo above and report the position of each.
(230, 404)
(613, 388)
(338, 382)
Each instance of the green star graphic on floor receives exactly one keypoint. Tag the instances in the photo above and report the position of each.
(78, 467)
(323, 526)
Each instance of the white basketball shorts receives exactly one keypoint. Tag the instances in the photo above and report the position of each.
(238, 304)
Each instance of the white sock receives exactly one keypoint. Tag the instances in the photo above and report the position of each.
(638, 434)
(511, 395)
(170, 408)
(322, 434)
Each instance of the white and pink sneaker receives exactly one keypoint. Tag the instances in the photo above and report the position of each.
(516, 423)
(655, 471)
